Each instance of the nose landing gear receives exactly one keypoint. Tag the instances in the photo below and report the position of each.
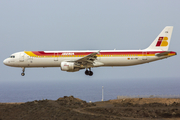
(89, 72)
(22, 74)
(23, 69)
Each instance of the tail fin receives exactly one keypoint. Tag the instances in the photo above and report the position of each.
(163, 40)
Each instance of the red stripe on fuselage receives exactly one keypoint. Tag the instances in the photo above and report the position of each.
(42, 53)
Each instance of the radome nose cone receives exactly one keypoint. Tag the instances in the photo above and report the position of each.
(5, 62)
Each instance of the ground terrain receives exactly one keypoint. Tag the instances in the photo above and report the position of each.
(70, 108)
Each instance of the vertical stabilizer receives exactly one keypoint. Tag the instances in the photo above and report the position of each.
(163, 40)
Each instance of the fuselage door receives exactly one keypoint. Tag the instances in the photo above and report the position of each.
(144, 55)
(21, 57)
(55, 56)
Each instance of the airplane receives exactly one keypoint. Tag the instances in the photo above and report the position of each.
(72, 61)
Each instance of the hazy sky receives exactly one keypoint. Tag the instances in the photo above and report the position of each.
(87, 25)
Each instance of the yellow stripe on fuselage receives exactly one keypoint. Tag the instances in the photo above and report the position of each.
(30, 53)
(171, 54)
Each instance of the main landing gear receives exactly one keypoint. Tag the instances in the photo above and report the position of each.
(89, 72)
(23, 69)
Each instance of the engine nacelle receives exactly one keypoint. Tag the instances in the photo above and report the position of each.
(67, 66)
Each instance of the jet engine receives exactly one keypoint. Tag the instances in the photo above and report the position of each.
(68, 66)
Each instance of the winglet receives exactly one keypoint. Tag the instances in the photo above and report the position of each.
(98, 52)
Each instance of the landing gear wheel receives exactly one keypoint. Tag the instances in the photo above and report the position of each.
(87, 72)
(90, 73)
(22, 74)
(23, 69)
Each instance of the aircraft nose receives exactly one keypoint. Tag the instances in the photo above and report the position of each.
(5, 62)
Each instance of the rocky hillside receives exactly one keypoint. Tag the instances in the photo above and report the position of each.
(70, 108)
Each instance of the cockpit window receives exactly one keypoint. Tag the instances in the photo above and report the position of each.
(12, 56)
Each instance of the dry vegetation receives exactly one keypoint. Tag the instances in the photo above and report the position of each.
(70, 108)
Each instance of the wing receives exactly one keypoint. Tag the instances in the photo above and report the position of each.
(89, 58)
(87, 61)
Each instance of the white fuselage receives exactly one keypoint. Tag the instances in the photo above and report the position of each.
(72, 61)
(22, 59)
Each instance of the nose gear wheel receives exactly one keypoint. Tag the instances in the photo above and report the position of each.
(22, 74)
(23, 69)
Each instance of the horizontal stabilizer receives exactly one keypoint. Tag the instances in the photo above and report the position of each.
(163, 53)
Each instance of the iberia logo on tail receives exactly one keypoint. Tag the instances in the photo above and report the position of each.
(162, 41)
